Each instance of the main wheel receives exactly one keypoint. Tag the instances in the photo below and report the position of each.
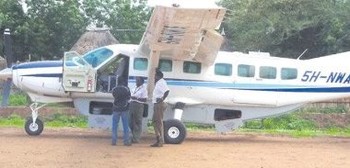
(34, 128)
(174, 131)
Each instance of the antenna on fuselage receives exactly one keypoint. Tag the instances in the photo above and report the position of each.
(302, 54)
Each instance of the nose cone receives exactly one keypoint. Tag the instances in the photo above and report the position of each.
(5, 74)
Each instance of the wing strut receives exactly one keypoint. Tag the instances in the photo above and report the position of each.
(181, 33)
(152, 64)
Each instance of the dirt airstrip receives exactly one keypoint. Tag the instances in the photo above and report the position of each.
(73, 147)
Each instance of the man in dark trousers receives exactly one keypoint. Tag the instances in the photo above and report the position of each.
(138, 99)
(121, 95)
(160, 92)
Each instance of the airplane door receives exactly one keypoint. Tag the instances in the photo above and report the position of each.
(78, 75)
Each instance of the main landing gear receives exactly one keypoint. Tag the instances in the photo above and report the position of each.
(174, 130)
(33, 125)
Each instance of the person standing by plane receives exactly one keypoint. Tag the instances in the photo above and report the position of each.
(121, 95)
(138, 99)
(160, 93)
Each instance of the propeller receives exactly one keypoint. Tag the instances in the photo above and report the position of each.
(6, 74)
(8, 48)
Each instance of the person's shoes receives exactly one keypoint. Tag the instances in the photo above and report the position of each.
(135, 141)
(157, 144)
(127, 144)
(114, 142)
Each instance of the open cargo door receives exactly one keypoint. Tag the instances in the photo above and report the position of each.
(78, 75)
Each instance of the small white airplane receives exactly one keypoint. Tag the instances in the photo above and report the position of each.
(206, 86)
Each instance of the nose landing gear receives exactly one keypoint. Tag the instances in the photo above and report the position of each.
(33, 125)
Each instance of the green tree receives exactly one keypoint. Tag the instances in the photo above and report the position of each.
(55, 25)
(127, 19)
(50, 27)
(13, 17)
(288, 27)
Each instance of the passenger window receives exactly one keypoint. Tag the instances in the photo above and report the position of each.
(246, 70)
(140, 64)
(267, 72)
(289, 73)
(165, 65)
(192, 67)
(223, 69)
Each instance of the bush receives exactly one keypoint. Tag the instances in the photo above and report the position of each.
(285, 122)
(17, 99)
(61, 120)
(12, 120)
(56, 120)
(339, 108)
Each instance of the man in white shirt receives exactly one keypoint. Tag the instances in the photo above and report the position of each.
(138, 98)
(160, 92)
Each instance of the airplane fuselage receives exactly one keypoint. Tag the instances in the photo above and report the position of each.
(206, 86)
(255, 84)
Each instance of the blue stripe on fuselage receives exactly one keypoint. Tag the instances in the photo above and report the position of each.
(235, 86)
(253, 86)
(304, 90)
(56, 75)
(259, 87)
(38, 64)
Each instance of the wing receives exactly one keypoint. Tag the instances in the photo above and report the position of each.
(183, 33)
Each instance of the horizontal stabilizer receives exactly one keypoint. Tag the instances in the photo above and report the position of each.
(184, 33)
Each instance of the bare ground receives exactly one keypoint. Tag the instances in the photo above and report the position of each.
(73, 147)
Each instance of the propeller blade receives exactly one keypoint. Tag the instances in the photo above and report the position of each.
(6, 74)
(8, 48)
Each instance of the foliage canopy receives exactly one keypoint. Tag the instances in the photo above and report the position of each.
(49, 27)
(288, 27)
(285, 28)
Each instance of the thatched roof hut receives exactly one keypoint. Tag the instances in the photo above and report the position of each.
(94, 38)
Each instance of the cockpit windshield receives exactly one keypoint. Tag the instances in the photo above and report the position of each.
(96, 57)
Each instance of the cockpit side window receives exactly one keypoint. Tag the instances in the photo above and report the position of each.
(95, 58)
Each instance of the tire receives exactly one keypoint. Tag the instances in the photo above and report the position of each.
(34, 128)
(174, 131)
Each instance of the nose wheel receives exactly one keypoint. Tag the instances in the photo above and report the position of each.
(33, 125)
(34, 128)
